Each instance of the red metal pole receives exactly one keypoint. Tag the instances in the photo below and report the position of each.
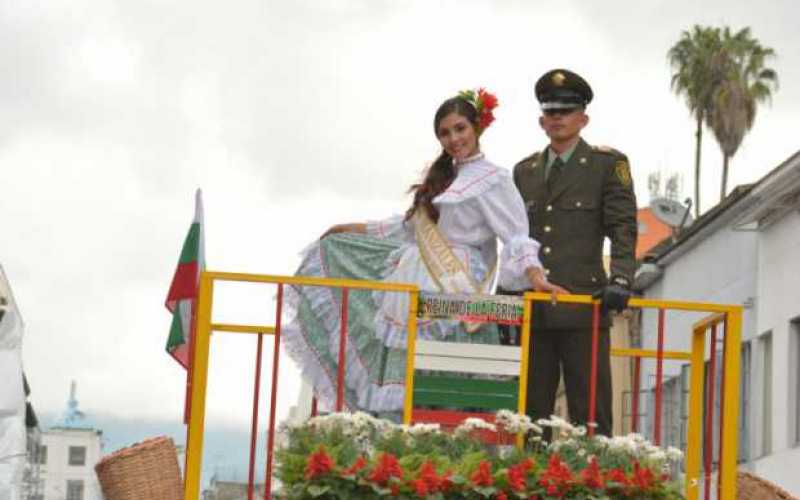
(637, 369)
(659, 375)
(722, 402)
(254, 420)
(274, 396)
(342, 346)
(709, 431)
(593, 372)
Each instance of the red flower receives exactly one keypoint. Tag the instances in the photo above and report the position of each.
(517, 474)
(591, 476)
(557, 478)
(427, 474)
(421, 487)
(488, 99)
(318, 463)
(617, 476)
(446, 483)
(483, 474)
(386, 468)
(501, 496)
(359, 464)
(642, 476)
(485, 120)
(516, 479)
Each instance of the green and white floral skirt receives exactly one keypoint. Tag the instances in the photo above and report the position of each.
(375, 371)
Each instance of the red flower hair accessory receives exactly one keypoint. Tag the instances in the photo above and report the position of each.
(484, 103)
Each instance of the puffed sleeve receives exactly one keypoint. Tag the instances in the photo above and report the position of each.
(505, 213)
(393, 228)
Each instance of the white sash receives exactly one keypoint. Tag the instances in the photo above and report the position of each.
(444, 267)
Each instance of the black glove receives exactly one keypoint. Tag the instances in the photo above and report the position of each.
(613, 297)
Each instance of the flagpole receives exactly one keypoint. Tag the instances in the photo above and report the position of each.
(198, 218)
(187, 400)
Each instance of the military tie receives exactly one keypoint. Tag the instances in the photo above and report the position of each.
(556, 169)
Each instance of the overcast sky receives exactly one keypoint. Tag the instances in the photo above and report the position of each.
(290, 116)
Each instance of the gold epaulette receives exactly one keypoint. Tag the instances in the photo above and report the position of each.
(609, 151)
(533, 159)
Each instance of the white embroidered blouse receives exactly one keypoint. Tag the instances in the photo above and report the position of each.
(481, 205)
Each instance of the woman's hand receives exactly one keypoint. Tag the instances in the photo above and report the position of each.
(540, 284)
(338, 228)
(345, 228)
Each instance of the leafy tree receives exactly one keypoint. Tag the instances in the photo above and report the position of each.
(745, 83)
(696, 78)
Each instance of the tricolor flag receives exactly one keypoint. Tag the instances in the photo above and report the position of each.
(182, 296)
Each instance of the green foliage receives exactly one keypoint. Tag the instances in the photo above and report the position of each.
(342, 457)
(723, 77)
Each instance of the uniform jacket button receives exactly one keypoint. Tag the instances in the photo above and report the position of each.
(547, 229)
(546, 250)
(549, 208)
(578, 204)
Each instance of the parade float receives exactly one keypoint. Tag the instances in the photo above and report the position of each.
(463, 440)
(321, 459)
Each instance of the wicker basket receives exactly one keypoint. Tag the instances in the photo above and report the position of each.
(145, 471)
(751, 487)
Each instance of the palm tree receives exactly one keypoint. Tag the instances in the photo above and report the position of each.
(696, 79)
(745, 82)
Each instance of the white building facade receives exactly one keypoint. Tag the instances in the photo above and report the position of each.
(745, 251)
(68, 457)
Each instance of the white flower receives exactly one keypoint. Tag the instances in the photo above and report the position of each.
(513, 422)
(601, 439)
(472, 424)
(674, 454)
(579, 431)
(422, 429)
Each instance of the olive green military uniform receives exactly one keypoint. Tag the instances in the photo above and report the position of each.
(591, 199)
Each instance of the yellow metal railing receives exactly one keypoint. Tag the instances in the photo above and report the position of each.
(729, 315)
(204, 327)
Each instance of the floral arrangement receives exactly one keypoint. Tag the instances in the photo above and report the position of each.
(485, 102)
(342, 456)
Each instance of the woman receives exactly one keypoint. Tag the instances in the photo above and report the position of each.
(446, 242)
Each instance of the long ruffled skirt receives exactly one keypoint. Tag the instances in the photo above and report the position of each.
(374, 371)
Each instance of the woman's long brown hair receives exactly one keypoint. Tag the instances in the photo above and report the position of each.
(442, 172)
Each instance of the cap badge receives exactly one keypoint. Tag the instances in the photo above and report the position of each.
(558, 79)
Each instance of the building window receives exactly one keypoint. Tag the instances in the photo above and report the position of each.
(77, 455)
(766, 393)
(75, 489)
(745, 408)
(41, 457)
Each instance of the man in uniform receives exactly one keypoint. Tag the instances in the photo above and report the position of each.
(576, 196)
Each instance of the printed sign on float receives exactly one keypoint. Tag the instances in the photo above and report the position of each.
(502, 309)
